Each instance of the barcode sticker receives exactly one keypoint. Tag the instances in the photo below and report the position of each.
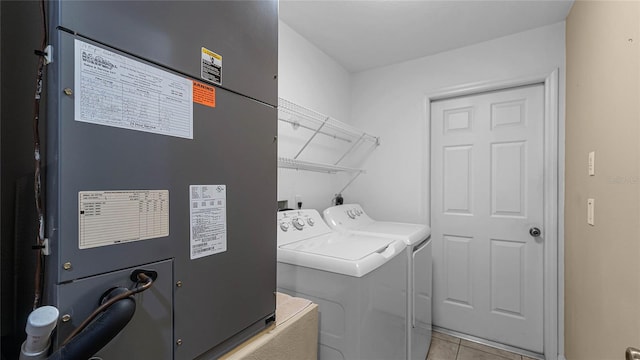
(208, 218)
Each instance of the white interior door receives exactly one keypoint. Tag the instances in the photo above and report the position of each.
(486, 195)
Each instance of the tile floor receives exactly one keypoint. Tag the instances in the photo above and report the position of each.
(447, 347)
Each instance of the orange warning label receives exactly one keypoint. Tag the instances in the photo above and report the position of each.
(204, 94)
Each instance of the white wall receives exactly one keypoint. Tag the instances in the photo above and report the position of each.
(391, 102)
(308, 77)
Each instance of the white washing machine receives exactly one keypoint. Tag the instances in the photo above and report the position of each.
(354, 279)
(351, 219)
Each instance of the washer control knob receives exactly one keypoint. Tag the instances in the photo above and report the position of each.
(284, 226)
(310, 222)
(298, 223)
(351, 214)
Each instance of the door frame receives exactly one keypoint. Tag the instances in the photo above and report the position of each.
(553, 223)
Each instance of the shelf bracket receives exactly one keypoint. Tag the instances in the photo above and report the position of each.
(349, 183)
(353, 146)
(311, 138)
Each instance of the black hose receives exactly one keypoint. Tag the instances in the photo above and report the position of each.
(108, 301)
(100, 331)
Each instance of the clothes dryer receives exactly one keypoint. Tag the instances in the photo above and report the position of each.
(354, 279)
(351, 219)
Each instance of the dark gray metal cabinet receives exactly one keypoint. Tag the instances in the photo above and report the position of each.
(199, 308)
(171, 33)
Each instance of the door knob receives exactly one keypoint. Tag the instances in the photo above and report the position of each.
(535, 232)
(632, 354)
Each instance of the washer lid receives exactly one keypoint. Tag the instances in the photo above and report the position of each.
(348, 254)
(346, 247)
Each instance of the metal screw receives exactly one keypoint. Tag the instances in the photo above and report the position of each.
(66, 317)
(67, 266)
(179, 342)
(179, 283)
(68, 91)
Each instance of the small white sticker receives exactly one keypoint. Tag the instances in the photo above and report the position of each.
(114, 217)
(208, 217)
(115, 90)
(211, 66)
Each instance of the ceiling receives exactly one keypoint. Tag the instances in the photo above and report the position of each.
(364, 34)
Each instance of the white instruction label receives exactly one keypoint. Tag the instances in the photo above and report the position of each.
(208, 214)
(114, 217)
(115, 90)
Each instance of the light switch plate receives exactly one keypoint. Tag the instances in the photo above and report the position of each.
(592, 163)
(591, 203)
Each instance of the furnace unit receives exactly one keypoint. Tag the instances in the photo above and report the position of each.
(159, 155)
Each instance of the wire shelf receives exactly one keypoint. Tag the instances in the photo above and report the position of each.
(319, 124)
(298, 115)
(313, 166)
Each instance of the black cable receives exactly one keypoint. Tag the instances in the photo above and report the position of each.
(45, 28)
(37, 178)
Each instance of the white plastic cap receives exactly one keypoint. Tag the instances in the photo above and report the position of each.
(42, 320)
(40, 324)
